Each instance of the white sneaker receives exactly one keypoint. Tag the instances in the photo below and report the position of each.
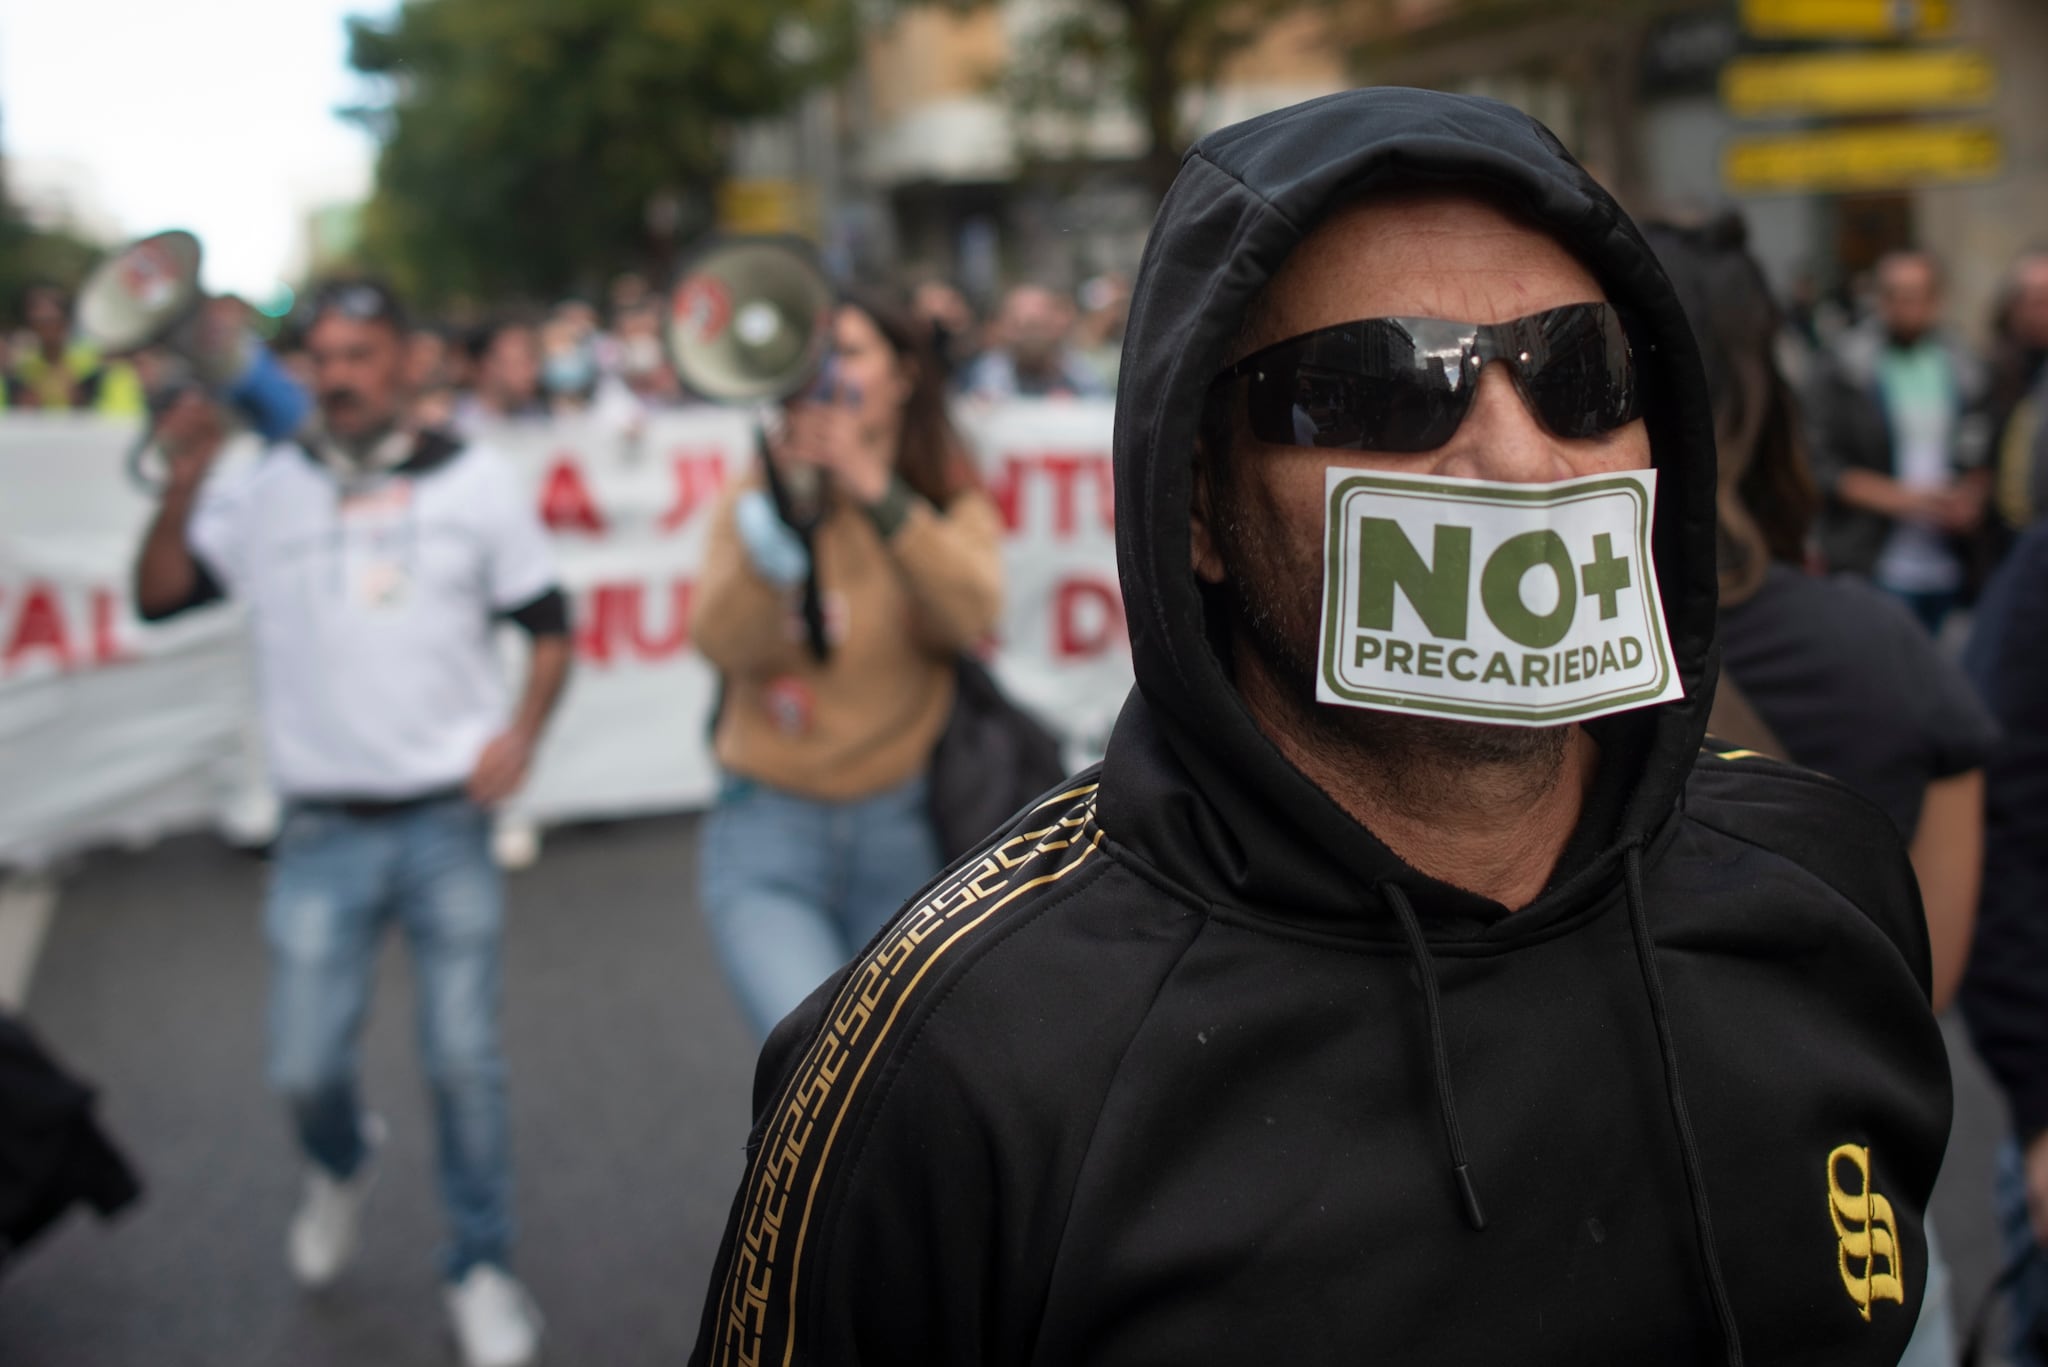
(324, 1232)
(516, 843)
(495, 1322)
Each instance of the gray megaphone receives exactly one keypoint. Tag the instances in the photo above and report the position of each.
(750, 322)
(148, 294)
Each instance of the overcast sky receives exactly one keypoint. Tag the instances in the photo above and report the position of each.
(213, 115)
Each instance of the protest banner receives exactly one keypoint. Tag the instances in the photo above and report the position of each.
(130, 730)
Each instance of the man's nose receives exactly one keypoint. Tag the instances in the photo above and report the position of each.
(1501, 438)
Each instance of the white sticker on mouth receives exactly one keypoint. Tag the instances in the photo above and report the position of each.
(1521, 604)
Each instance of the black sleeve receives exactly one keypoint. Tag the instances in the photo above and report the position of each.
(1954, 730)
(1962, 732)
(547, 615)
(205, 589)
(1824, 405)
(922, 1123)
(2005, 990)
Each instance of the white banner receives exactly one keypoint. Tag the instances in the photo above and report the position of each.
(113, 730)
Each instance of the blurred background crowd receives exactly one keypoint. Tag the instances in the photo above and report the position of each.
(604, 359)
(1854, 200)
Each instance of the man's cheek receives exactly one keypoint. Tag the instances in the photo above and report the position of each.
(1627, 449)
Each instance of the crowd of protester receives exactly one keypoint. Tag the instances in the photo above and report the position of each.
(612, 365)
(1883, 503)
(610, 362)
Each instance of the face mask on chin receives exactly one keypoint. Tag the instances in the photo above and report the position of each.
(569, 373)
(640, 356)
(384, 447)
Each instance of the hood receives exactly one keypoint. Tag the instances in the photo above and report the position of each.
(1245, 196)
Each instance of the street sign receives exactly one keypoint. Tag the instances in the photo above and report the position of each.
(1858, 82)
(1847, 18)
(764, 205)
(1870, 157)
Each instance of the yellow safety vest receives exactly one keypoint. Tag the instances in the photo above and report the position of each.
(111, 388)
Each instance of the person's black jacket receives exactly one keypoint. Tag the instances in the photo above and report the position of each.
(1850, 684)
(53, 1154)
(1848, 428)
(2005, 989)
(1155, 1076)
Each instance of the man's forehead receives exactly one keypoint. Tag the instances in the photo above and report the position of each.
(1907, 270)
(333, 330)
(1427, 255)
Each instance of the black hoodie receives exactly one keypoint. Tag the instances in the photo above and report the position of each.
(1189, 1068)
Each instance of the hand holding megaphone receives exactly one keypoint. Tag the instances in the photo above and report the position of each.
(822, 435)
(148, 294)
(190, 433)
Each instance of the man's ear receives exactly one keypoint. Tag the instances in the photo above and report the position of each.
(1204, 555)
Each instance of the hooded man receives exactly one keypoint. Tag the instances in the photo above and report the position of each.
(1407, 984)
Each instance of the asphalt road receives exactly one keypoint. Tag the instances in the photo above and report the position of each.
(630, 1073)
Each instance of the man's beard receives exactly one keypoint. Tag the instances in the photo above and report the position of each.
(363, 430)
(1273, 587)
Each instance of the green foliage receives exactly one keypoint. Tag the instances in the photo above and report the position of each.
(525, 141)
(31, 255)
(1150, 56)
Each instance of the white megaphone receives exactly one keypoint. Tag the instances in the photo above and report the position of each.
(148, 294)
(750, 320)
(750, 323)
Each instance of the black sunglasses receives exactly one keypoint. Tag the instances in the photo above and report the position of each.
(1404, 384)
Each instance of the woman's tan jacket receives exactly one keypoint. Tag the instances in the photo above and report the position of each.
(898, 610)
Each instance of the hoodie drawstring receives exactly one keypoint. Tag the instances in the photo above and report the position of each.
(1439, 1056)
(1695, 1179)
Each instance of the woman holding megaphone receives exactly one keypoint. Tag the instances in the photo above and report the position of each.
(842, 583)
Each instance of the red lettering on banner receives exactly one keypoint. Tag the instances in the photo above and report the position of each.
(38, 626)
(1004, 488)
(593, 626)
(613, 623)
(1087, 617)
(106, 619)
(671, 641)
(565, 501)
(699, 478)
(1068, 472)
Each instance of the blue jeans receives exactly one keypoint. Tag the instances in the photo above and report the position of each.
(1932, 609)
(793, 887)
(1934, 1334)
(336, 881)
(2029, 1318)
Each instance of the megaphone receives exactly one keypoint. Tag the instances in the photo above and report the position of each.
(148, 294)
(750, 320)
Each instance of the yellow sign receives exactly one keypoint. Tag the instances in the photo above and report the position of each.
(1847, 18)
(1858, 82)
(764, 206)
(1872, 157)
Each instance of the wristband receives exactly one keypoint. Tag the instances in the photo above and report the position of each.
(889, 511)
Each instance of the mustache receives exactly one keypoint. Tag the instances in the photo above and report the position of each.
(331, 398)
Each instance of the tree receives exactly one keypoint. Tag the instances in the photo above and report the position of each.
(30, 255)
(530, 147)
(1154, 56)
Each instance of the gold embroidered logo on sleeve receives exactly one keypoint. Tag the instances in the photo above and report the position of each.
(1866, 1234)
